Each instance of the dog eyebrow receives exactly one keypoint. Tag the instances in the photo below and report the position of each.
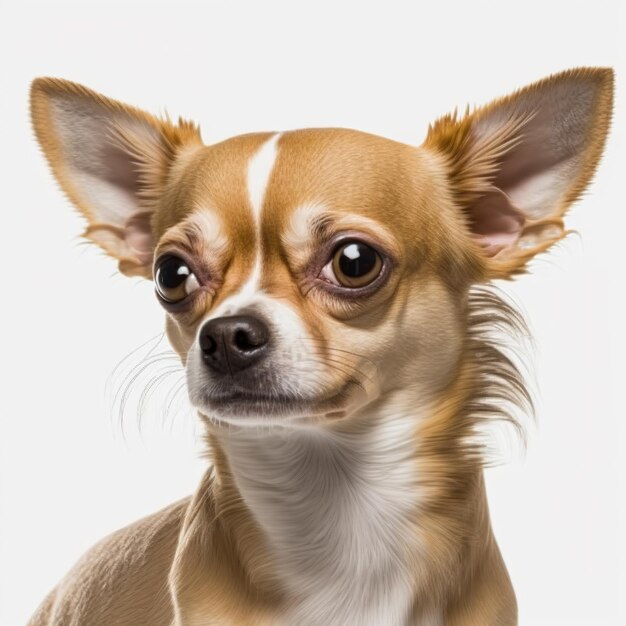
(315, 222)
(199, 233)
(305, 224)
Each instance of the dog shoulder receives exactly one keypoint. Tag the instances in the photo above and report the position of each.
(122, 580)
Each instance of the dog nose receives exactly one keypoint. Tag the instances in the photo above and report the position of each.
(231, 344)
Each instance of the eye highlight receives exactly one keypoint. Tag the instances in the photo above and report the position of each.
(355, 264)
(174, 279)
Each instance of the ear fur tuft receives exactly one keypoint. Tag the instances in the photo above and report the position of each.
(517, 164)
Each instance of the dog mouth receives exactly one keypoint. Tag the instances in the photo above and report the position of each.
(241, 406)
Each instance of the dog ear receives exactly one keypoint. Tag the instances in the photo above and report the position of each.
(516, 164)
(112, 161)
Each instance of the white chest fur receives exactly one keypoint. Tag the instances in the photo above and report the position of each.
(336, 510)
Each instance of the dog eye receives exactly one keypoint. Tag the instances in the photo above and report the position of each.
(355, 264)
(174, 279)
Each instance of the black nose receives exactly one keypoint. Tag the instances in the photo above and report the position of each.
(231, 344)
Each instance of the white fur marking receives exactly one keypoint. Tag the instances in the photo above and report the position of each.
(337, 511)
(298, 232)
(259, 172)
(210, 227)
(247, 294)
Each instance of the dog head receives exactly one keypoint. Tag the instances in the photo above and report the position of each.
(309, 273)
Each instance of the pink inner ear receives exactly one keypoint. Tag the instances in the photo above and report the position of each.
(496, 221)
(138, 236)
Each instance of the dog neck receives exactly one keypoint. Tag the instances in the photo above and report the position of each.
(339, 509)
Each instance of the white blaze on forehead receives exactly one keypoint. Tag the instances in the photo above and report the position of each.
(259, 172)
(260, 169)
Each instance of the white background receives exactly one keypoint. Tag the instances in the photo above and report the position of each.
(72, 473)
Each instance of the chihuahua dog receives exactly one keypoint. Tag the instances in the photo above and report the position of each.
(327, 293)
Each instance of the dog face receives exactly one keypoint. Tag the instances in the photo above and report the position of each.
(308, 274)
(307, 288)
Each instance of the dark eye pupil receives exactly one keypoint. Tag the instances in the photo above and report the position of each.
(172, 273)
(357, 259)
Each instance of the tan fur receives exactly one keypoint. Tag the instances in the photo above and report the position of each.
(207, 560)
